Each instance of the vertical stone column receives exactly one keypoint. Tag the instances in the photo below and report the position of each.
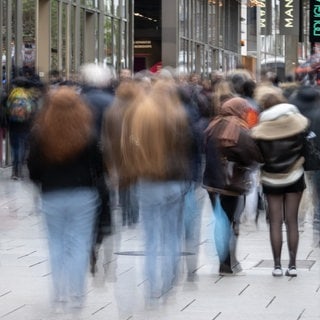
(291, 53)
(101, 18)
(89, 48)
(43, 38)
(170, 33)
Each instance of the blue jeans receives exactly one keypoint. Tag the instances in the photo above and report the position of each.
(18, 144)
(161, 207)
(194, 202)
(70, 215)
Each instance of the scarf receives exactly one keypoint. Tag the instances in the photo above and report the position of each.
(227, 125)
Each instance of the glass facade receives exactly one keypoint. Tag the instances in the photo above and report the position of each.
(18, 33)
(105, 21)
(63, 34)
(203, 35)
(207, 42)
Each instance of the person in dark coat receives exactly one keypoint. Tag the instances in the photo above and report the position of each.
(96, 91)
(23, 92)
(228, 137)
(307, 100)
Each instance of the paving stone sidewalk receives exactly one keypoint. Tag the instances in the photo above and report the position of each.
(116, 292)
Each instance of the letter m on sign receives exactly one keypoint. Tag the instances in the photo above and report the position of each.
(289, 22)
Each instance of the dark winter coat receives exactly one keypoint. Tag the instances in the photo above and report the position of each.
(245, 153)
(307, 100)
(280, 136)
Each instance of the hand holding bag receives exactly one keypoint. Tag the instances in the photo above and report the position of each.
(237, 178)
(222, 230)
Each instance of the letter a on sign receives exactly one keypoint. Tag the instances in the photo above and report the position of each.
(289, 17)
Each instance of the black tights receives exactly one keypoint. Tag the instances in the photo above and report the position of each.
(284, 208)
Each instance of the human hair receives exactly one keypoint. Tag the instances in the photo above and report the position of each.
(249, 87)
(96, 75)
(127, 96)
(154, 139)
(64, 125)
(268, 96)
(222, 92)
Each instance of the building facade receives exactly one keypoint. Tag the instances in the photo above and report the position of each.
(63, 34)
(190, 35)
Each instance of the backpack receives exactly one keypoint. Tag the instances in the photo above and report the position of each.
(20, 105)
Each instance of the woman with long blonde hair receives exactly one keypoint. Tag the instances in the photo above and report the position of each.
(64, 161)
(155, 144)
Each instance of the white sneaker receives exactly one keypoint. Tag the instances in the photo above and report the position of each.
(291, 272)
(277, 271)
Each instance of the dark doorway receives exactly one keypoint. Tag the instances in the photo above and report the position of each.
(139, 64)
(147, 34)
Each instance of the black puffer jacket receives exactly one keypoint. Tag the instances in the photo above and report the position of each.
(280, 136)
(280, 154)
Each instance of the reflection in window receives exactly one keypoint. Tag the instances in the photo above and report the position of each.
(90, 3)
(108, 40)
(64, 32)
(29, 33)
(116, 42)
(67, 53)
(54, 36)
(82, 36)
(123, 46)
(107, 6)
(183, 17)
(116, 8)
(73, 41)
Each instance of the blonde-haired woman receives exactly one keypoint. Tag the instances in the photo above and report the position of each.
(154, 143)
(280, 137)
(64, 161)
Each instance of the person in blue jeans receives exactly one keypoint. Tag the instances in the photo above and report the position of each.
(65, 162)
(154, 146)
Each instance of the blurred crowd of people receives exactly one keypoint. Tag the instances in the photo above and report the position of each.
(158, 145)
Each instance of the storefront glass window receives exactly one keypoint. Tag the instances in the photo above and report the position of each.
(108, 44)
(107, 6)
(64, 44)
(116, 7)
(29, 34)
(116, 43)
(54, 36)
(123, 46)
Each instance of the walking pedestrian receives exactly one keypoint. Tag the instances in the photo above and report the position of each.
(154, 142)
(21, 105)
(64, 161)
(228, 141)
(95, 81)
(307, 100)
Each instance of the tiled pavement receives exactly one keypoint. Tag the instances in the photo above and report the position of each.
(118, 292)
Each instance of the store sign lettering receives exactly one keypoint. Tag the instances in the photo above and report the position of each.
(289, 14)
(314, 21)
(265, 17)
(289, 17)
